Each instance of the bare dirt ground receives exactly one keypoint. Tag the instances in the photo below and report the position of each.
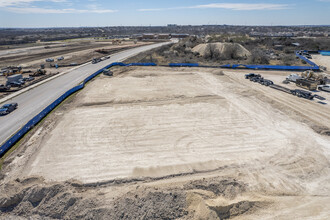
(174, 143)
(322, 61)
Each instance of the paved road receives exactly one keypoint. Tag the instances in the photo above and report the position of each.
(35, 100)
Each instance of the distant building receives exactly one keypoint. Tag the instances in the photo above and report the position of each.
(137, 36)
(271, 34)
(151, 36)
(179, 35)
(172, 25)
(148, 36)
(164, 36)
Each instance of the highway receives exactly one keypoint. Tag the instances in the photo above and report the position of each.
(33, 101)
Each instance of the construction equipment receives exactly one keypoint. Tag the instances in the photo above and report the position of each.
(310, 75)
(14, 78)
(307, 84)
(257, 78)
(116, 41)
(296, 92)
(302, 94)
(11, 70)
(266, 82)
(107, 72)
(39, 72)
(103, 51)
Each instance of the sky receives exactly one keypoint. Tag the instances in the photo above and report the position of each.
(90, 13)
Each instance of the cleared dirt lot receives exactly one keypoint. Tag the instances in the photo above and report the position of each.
(322, 61)
(213, 145)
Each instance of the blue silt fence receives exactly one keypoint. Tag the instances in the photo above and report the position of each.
(183, 65)
(270, 67)
(305, 59)
(312, 66)
(325, 53)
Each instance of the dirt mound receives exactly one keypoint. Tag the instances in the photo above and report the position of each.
(223, 51)
(225, 188)
(34, 197)
(152, 205)
(232, 210)
(27, 198)
(210, 198)
(217, 198)
(218, 72)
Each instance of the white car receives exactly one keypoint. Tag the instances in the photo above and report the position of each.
(293, 77)
(324, 88)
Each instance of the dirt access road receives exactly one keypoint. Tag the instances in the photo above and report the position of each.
(178, 143)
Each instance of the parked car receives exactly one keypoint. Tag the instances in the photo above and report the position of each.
(4, 87)
(293, 77)
(324, 88)
(49, 60)
(60, 58)
(22, 81)
(96, 60)
(14, 84)
(27, 79)
(8, 108)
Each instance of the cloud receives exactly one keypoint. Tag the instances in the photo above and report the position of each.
(161, 9)
(244, 6)
(27, 7)
(10, 3)
(36, 10)
(230, 6)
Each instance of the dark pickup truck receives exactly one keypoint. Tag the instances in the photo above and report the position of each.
(251, 75)
(7, 108)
